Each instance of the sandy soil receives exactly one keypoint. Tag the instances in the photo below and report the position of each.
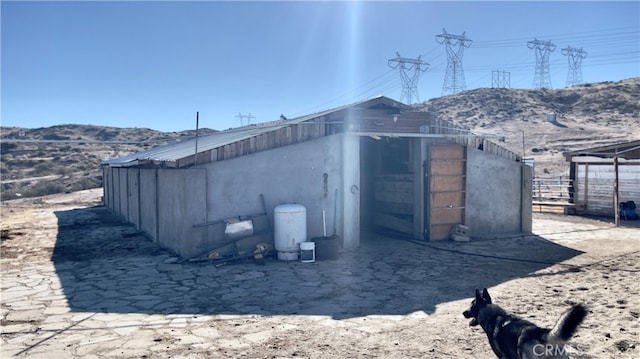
(604, 276)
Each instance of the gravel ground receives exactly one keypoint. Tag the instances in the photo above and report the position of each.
(78, 283)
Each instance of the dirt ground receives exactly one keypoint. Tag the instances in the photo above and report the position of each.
(568, 260)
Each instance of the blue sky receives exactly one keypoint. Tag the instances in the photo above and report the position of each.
(155, 64)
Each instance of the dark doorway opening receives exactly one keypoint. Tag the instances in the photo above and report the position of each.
(386, 182)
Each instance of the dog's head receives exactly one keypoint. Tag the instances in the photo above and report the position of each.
(481, 300)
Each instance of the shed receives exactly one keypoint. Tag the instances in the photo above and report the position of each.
(373, 165)
(603, 176)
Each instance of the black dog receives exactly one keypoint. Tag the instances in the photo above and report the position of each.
(515, 338)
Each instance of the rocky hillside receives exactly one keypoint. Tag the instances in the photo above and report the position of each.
(586, 116)
(62, 162)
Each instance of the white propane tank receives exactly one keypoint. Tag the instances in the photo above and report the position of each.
(290, 229)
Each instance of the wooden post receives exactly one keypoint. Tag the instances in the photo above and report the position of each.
(586, 185)
(616, 198)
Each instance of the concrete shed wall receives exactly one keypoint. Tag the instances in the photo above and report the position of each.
(307, 173)
(148, 210)
(115, 196)
(133, 198)
(123, 194)
(181, 205)
(106, 186)
(322, 174)
(167, 203)
(498, 195)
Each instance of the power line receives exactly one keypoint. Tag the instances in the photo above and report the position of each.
(245, 120)
(542, 77)
(409, 73)
(575, 56)
(616, 40)
(454, 76)
(384, 79)
(590, 36)
(500, 79)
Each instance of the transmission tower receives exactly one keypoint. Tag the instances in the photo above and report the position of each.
(574, 76)
(542, 78)
(244, 119)
(454, 76)
(500, 79)
(410, 70)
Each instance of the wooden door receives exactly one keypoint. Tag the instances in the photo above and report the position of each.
(444, 190)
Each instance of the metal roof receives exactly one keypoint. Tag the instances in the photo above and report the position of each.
(620, 149)
(172, 152)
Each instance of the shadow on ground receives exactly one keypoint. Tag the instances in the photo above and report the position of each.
(105, 265)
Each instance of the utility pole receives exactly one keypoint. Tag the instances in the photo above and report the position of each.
(574, 76)
(454, 77)
(500, 79)
(197, 130)
(244, 119)
(410, 70)
(542, 78)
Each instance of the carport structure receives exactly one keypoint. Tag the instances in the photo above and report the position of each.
(604, 176)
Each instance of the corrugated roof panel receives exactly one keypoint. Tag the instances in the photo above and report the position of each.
(628, 149)
(172, 152)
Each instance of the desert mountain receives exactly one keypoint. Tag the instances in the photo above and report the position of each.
(30, 168)
(585, 116)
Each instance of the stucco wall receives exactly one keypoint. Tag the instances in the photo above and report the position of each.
(133, 203)
(106, 187)
(169, 205)
(349, 210)
(181, 204)
(123, 193)
(527, 199)
(148, 222)
(290, 174)
(115, 181)
(497, 195)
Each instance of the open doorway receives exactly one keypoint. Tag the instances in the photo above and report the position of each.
(411, 187)
(386, 182)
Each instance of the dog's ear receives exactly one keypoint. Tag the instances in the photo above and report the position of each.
(485, 296)
(478, 296)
